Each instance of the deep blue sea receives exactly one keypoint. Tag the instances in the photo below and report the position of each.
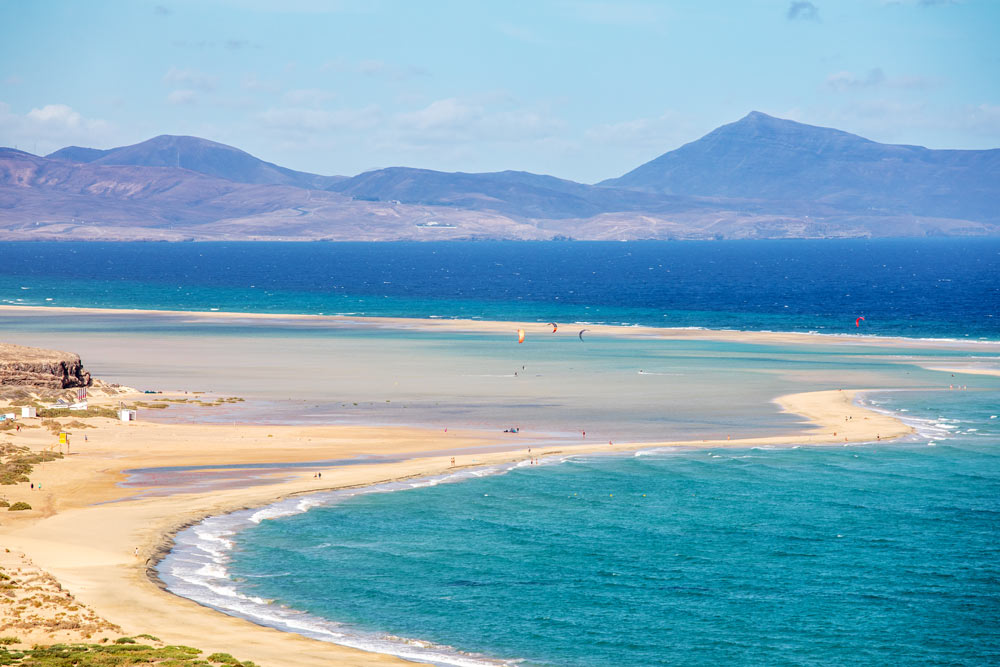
(902, 287)
(873, 554)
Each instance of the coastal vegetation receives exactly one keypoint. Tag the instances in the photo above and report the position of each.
(163, 403)
(124, 651)
(16, 463)
(32, 600)
(92, 411)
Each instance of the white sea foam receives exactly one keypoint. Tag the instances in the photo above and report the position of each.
(197, 569)
(658, 451)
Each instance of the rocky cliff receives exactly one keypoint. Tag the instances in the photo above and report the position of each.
(36, 367)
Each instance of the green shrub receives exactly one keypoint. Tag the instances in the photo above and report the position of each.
(92, 411)
(124, 640)
(18, 506)
(20, 463)
(224, 658)
(97, 655)
(8, 640)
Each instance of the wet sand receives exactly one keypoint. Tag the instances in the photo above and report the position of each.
(89, 547)
(99, 538)
(530, 328)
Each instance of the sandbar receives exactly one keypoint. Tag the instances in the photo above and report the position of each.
(99, 540)
(535, 327)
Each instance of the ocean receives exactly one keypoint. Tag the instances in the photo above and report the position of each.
(884, 554)
(880, 553)
(906, 287)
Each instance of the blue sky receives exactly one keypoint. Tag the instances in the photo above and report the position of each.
(581, 90)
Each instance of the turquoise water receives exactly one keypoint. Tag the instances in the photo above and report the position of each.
(907, 287)
(879, 554)
(882, 554)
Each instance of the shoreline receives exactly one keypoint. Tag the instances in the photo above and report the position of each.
(790, 402)
(511, 326)
(89, 547)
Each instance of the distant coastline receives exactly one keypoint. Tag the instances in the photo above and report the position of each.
(759, 177)
(88, 538)
(457, 324)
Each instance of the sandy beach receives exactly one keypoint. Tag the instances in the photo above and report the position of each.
(531, 328)
(99, 539)
(90, 548)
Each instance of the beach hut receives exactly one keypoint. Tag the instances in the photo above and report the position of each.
(7, 415)
(28, 412)
(127, 415)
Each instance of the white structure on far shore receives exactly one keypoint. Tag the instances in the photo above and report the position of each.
(127, 415)
(28, 412)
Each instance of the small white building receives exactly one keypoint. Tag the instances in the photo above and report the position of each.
(7, 415)
(127, 415)
(28, 412)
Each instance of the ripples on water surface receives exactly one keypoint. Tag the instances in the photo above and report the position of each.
(910, 287)
(878, 555)
(883, 554)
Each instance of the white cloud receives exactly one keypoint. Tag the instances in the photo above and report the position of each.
(448, 114)
(983, 119)
(845, 81)
(378, 69)
(50, 127)
(56, 115)
(632, 13)
(632, 142)
(304, 121)
(519, 33)
(189, 78)
(303, 6)
(308, 97)
(455, 120)
(182, 97)
(842, 81)
(922, 3)
(911, 122)
(659, 133)
(254, 83)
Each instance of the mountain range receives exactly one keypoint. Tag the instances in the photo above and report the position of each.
(759, 177)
